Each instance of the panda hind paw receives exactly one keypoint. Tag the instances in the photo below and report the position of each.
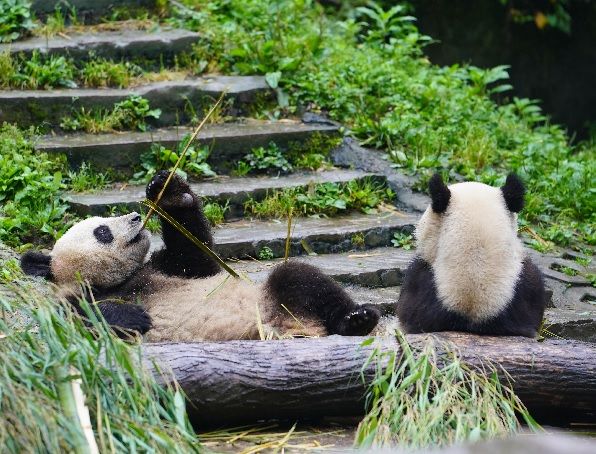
(360, 321)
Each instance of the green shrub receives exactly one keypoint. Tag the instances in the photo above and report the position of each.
(15, 19)
(366, 69)
(159, 157)
(132, 113)
(31, 209)
(326, 199)
(263, 159)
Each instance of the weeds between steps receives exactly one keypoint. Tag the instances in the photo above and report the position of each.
(327, 199)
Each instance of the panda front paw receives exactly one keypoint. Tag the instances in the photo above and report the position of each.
(124, 318)
(177, 193)
(359, 322)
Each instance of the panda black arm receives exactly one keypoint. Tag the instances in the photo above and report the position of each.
(180, 257)
(121, 317)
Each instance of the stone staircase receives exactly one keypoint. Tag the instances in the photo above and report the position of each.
(355, 249)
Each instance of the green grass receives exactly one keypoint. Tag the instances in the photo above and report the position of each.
(215, 212)
(132, 113)
(86, 178)
(327, 199)
(312, 154)
(15, 19)
(46, 351)
(417, 400)
(366, 69)
(194, 163)
(31, 209)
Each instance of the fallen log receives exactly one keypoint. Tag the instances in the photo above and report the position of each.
(243, 381)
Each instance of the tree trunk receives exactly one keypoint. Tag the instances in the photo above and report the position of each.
(243, 381)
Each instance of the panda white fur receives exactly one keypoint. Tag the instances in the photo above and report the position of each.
(471, 273)
(183, 294)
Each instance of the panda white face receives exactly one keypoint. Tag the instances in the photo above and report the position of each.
(105, 251)
(469, 237)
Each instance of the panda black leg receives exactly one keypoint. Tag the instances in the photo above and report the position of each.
(305, 290)
(180, 257)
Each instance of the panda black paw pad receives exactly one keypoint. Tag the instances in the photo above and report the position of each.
(359, 322)
(177, 193)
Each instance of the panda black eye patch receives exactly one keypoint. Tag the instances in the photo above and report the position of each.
(103, 234)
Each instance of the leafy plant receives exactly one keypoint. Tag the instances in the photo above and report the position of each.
(159, 157)
(87, 179)
(321, 199)
(105, 73)
(265, 159)
(215, 212)
(403, 240)
(132, 113)
(417, 400)
(36, 72)
(266, 253)
(15, 19)
(31, 209)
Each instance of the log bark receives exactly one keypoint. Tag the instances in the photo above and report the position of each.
(243, 381)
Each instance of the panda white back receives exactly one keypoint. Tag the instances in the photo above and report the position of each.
(471, 272)
(475, 253)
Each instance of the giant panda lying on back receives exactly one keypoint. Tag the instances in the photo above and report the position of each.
(184, 295)
(471, 272)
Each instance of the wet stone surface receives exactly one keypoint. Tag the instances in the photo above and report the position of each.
(29, 107)
(247, 238)
(228, 142)
(160, 46)
(231, 190)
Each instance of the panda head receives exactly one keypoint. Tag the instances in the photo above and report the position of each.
(103, 251)
(470, 215)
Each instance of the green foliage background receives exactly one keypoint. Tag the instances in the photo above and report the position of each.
(365, 67)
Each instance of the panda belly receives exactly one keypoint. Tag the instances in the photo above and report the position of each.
(219, 308)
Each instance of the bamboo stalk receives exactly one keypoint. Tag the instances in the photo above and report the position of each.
(68, 402)
(186, 147)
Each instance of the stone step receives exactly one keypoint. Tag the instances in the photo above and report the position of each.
(246, 238)
(229, 142)
(234, 190)
(176, 99)
(159, 46)
(88, 11)
(379, 267)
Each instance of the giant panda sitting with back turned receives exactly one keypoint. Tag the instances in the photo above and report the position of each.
(471, 273)
(184, 294)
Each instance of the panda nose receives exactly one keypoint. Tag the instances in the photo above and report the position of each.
(136, 219)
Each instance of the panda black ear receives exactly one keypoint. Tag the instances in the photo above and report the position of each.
(439, 193)
(36, 264)
(513, 193)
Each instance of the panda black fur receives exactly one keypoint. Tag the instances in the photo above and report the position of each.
(185, 295)
(471, 273)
